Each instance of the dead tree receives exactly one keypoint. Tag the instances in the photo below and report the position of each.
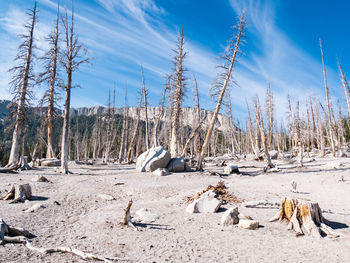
(251, 133)
(290, 124)
(21, 84)
(50, 76)
(320, 131)
(329, 114)
(223, 82)
(346, 87)
(160, 115)
(298, 134)
(179, 91)
(270, 117)
(145, 94)
(197, 140)
(71, 58)
(124, 130)
(136, 128)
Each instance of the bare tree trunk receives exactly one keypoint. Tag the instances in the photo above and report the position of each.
(298, 135)
(269, 163)
(329, 115)
(22, 79)
(72, 53)
(160, 115)
(136, 128)
(197, 144)
(178, 95)
(145, 94)
(123, 138)
(346, 87)
(232, 58)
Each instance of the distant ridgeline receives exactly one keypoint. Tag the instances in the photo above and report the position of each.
(82, 125)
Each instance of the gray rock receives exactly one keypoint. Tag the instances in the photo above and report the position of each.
(229, 169)
(106, 197)
(34, 208)
(50, 162)
(161, 172)
(40, 178)
(248, 224)
(230, 217)
(206, 204)
(208, 193)
(273, 155)
(153, 159)
(144, 215)
(177, 165)
(244, 217)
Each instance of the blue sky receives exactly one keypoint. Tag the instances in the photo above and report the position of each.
(281, 46)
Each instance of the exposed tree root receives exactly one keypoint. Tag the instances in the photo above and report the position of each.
(305, 218)
(127, 217)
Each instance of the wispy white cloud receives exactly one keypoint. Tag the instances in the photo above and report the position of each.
(276, 59)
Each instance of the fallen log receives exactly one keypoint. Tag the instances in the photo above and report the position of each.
(10, 234)
(305, 218)
(10, 169)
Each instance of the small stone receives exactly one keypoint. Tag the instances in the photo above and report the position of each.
(161, 172)
(248, 224)
(230, 217)
(106, 197)
(145, 215)
(34, 208)
(244, 217)
(40, 178)
(229, 169)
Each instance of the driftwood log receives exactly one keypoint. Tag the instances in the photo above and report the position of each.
(18, 192)
(9, 234)
(305, 218)
(10, 169)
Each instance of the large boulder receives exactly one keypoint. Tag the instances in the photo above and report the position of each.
(177, 165)
(205, 204)
(153, 159)
(248, 224)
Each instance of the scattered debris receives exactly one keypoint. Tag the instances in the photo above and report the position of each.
(221, 194)
(342, 179)
(106, 197)
(261, 204)
(18, 192)
(119, 183)
(304, 218)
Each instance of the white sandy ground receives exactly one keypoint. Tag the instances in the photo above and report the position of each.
(86, 222)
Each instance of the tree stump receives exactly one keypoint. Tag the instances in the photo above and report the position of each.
(23, 163)
(305, 218)
(19, 193)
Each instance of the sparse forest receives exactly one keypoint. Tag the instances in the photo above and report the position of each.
(102, 148)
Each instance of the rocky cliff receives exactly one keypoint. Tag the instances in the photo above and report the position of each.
(189, 115)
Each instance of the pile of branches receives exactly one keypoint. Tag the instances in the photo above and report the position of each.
(220, 193)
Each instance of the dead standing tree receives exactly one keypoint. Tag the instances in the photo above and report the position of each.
(178, 95)
(145, 95)
(50, 76)
(223, 82)
(21, 83)
(329, 114)
(71, 58)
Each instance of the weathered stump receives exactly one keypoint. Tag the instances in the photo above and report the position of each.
(19, 193)
(23, 163)
(305, 218)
